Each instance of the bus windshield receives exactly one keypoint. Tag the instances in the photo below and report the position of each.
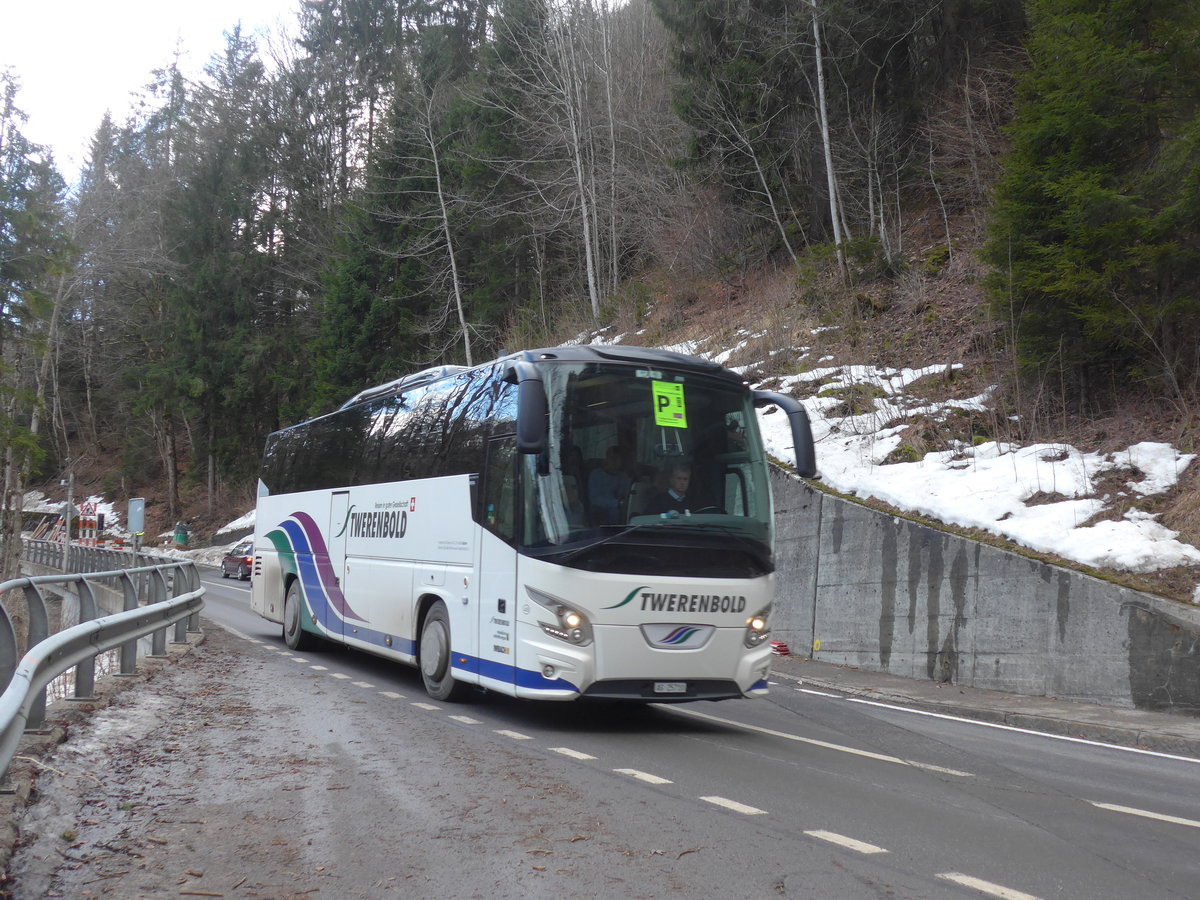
(648, 470)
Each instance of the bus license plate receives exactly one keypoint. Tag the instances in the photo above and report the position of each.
(670, 687)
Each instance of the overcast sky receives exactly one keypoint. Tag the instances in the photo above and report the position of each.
(77, 58)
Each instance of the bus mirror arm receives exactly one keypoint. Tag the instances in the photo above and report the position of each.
(802, 439)
(531, 408)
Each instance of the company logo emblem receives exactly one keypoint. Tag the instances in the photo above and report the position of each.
(346, 523)
(677, 637)
(628, 599)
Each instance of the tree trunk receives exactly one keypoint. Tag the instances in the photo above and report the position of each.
(835, 214)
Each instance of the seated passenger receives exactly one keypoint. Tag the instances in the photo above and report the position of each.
(607, 487)
(674, 498)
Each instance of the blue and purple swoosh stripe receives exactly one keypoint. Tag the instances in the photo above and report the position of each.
(680, 635)
(300, 537)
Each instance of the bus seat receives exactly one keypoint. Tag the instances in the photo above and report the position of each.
(640, 493)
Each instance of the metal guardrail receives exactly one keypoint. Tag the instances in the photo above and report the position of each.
(156, 595)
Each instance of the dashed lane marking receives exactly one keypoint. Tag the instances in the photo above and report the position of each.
(319, 668)
(428, 706)
(339, 675)
(362, 684)
(986, 887)
(848, 842)
(391, 695)
(1146, 814)
(466, 720)
(574, 754)
(643, 776)
(297, 659)
(867, 754)
(515, 735)
(735, 806)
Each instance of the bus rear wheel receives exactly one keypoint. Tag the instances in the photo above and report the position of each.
(294, 634)
(435, 656)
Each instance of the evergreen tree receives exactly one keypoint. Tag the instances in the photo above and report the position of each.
(1094, 242)
(33, 250)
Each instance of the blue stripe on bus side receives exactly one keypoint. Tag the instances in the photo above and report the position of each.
(511, 674)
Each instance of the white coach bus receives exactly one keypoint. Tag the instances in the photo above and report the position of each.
(507, 526)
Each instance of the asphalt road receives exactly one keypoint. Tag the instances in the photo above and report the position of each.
(344, 780)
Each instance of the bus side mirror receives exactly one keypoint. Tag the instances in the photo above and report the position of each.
(531, 409)
(802, 439)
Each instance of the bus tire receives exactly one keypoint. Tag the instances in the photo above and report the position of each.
(294, 634)
(435, 656)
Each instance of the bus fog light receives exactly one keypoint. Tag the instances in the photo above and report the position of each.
(548, 672)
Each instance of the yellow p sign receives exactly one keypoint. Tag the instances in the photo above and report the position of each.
(669, 411)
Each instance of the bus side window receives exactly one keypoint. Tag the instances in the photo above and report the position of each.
(499, 494)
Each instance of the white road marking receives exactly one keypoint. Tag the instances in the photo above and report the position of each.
(238, 634)
(735, 806)
(319, 668)
(391, 695)
(848, 842)
(466, 720)
(574, 754)
(1043, 734)
(986, 887)
(362, 684)
(881, 757)
(515, 735)
(1146, 814)
(818, 693)
(339, 675)
(428, 706)
(298, 659)
(643, 776)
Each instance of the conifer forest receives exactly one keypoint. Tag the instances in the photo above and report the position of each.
(405, 183)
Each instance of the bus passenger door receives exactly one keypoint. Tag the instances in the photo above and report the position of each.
(498, 562)
(339, 509)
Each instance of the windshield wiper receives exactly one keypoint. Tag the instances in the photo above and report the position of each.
(608, 539)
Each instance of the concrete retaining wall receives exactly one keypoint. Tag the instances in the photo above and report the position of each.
(863, 588)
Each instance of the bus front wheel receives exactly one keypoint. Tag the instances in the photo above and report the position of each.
(435, 656)
(294, 634)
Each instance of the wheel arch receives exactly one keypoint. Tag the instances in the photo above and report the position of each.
(425, 603)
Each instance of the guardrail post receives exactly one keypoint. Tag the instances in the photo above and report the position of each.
(158, 593)
(193, 621)
(8, 665)
(39, 630)
(128, 654)
(179, 587)
(8, 647)
(85, 670)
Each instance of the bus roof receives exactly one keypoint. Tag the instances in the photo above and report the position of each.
(619, 353)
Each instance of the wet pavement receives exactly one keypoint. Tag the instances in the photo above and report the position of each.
(1149, 730)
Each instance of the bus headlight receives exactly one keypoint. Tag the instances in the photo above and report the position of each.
(758, 628)
(570, 624)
